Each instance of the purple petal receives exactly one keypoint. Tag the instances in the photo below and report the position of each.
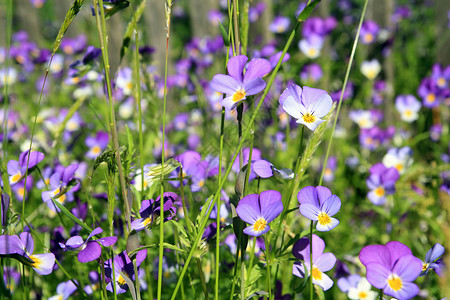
(254, 86)
(271, 204)
(96, 231)
(408, 267)
(11, 244)
(311, 95)
(318, 246)
(375, 254)
(13, 167)
(301, 249)
(107, 241)
(90, 253)
(310, 211)
(293, 108)
(434, 253)
(74, 242)
(68, 172)
(248, 208)
(225, 84)
(35, 158)
(263, 168)
(377, 275)
(27, 241)
(140, 256)
(408, 291)
(323, 194)
(236, 66)
(308, 195)
(332, 205)
(292, 90)
(249, 230)
(298, 269)
(325, 262)
(257, 68)
(397, 250)
(321, 107)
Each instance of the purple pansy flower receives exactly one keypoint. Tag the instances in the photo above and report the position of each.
(237, 85)
(308, 106)
(432, 260)
(393, 268)
(318, 204)
(150, 211)
(259, 211)
(58, 184)
(322, 262)
(17, 169)
(381, 182)
(311, 73)
(89, 250)
(96, 144)
(428, 91)
(369, 31)
(123, 266)
(265, 169)
(279, 24)
(24, 246)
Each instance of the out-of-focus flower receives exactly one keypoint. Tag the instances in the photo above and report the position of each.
(311, 73)
(17, 169)
(64, 290)
(279, 24)
(381, 182)
(97, 144)
(399, 158)
(369, 31)
(370, 69)
(311, 47)
(408, 107)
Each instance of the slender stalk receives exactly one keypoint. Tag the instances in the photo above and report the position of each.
(347, 73)
(311, 288)
(245, 135)
(168, 6)
(6, 80)
(101, 28)
(236, 27)
(138, 288)
(269, 282)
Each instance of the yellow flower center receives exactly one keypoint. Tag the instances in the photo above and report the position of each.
(20, 192)
(399, 167)
(260, 224)
(129, 85)
(20, 59)
(308, 118)
(312, 52)
(441, 82)
(369, 141)
(238, 96)
(68, 49)
(395, 282)
(324, 218)
(316, 274)
(36, 261)
(147, 221)
(368, 38)
(362, 295)
(408, 113)
(371, 74)
(379, 191)
(121, 280)
(430, 98)
(16, 177)
(201, 183)
(424, 267)
(96, 150)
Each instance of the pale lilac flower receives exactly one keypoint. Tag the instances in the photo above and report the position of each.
(399, 158)
(279, 24)
(64, 290)
(370, 69)
(433, 260)
(408, 107)
(308, 106)
(318, 204)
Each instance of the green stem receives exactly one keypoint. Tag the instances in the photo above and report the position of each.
(161, 225)
(311, 288)
(6, 81)
(347, 73)
(202, 278)
(269, 282)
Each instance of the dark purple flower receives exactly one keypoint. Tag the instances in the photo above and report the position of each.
(123, 266)
(59, 182)
(433, 261)
(5, 200)
(311, 73)
(393, 268)
(237, 85)
(322, 262)
(428, 91)
(88, 250)
(151, 209)
(381, 182)
(318, 204)
(259, 211)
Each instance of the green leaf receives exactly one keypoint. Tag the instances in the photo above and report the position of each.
(223, 32)
(71, 14)
(307, 11)
(71, 216)
(132, 25)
